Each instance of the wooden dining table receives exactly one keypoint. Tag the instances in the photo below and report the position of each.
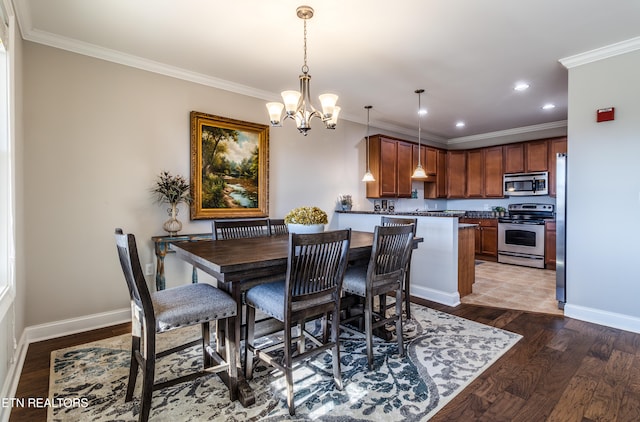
(239, 264)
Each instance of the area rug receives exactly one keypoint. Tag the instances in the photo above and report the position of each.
(444, 353)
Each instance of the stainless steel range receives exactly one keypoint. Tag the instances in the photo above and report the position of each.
(521, 234)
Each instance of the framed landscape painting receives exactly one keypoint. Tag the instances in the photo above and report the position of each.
(229, 167)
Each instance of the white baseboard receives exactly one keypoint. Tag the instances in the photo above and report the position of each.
(76, 325)
(48, 331)
(449, 299)
(598, 316)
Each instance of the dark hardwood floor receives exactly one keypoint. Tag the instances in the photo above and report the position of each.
(561, 370)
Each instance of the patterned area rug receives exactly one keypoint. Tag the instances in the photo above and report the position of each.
(444, 353)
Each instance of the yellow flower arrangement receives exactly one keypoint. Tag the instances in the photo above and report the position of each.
(306, 215)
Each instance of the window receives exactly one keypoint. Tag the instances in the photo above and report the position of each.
(6, 179)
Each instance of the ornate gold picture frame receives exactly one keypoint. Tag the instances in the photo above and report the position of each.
(229, 168)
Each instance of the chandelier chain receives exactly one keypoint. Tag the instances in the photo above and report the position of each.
(305, 68)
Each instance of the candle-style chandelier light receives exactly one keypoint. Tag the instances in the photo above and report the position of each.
(297, 104)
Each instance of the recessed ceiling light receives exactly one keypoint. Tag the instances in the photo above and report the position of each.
(548, 106)
(422, 111)
(521, 86)
(460, 124)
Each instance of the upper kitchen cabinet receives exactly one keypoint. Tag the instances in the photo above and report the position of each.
(457, 174)
(536, 154)
(390, 163)
(436, 187)
(526, 157)
(493, 170)
(556, 146)
(514, 158)
(475, 174)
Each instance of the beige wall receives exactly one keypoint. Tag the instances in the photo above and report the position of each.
(96, 134)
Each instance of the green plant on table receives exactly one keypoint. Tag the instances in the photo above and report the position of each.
(306, 215)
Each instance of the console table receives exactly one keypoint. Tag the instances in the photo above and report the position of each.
(162, 244)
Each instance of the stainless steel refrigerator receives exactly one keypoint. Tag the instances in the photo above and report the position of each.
(561, 229)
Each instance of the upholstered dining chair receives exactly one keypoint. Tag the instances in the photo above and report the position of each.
(398, 221)
(236, 229)
(169, 309)
(278, 226)
(384, 274)
(311, 289)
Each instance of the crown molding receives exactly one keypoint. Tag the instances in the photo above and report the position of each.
(87, 49)
(601, 53)
(509, 132)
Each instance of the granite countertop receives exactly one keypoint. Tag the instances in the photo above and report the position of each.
(449, 214)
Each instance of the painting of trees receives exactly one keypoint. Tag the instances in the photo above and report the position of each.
(229, 167)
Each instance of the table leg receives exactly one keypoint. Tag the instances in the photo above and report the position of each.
(245, 395)
(160, 280)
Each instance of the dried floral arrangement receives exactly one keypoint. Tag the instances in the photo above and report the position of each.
(306, 215)
(172, 189)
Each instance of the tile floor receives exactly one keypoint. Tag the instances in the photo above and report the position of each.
(514, 287)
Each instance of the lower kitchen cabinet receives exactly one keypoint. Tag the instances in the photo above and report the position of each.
(550, 245)
(466, 261)
(486, 237)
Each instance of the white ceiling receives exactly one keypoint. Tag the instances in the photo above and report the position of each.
(466, 54)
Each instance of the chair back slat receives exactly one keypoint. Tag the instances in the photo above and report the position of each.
(278, 226)
(238, 229)
(316, 265)
(399, 221)
(390, 253)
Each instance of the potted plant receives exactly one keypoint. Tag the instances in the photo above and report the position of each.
(172, 190)
(346, 202)
(306, 220)
(500, 211)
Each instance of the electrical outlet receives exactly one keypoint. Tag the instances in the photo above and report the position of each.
(148, 269)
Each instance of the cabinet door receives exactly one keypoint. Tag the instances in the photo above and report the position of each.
(388, 167)
(422, 153)
(489, 241)
(537, 156)
(441, 175)
(404, 169)
(475, 174)
(493, 172)
(514, 158)
(556, 146)
(432, 161)
(550, 245)
(456, 177)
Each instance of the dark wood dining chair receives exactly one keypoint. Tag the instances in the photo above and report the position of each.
(311, 289)
(278, 226)
(237, 229)
(384, 274)
(170, 309)
(398, 221)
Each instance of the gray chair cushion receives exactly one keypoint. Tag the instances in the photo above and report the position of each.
(355, 280)
(268, 298)
(189, 305)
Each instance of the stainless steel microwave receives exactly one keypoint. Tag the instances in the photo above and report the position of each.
(526, 184)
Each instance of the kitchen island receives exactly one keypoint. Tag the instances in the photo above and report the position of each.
(435, 264)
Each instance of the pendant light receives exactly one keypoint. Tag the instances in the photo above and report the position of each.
(297, 104)
(368, 177)
(419, 172)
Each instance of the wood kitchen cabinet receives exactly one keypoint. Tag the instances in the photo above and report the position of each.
(550, 245)
(437, 187)
(536, 155)
(556, 145)
(486, 237)
(475, 174)
(526, 157)
(428, 160)
(466, 262)
(493, 171)
(390, 163)
(457, 174)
